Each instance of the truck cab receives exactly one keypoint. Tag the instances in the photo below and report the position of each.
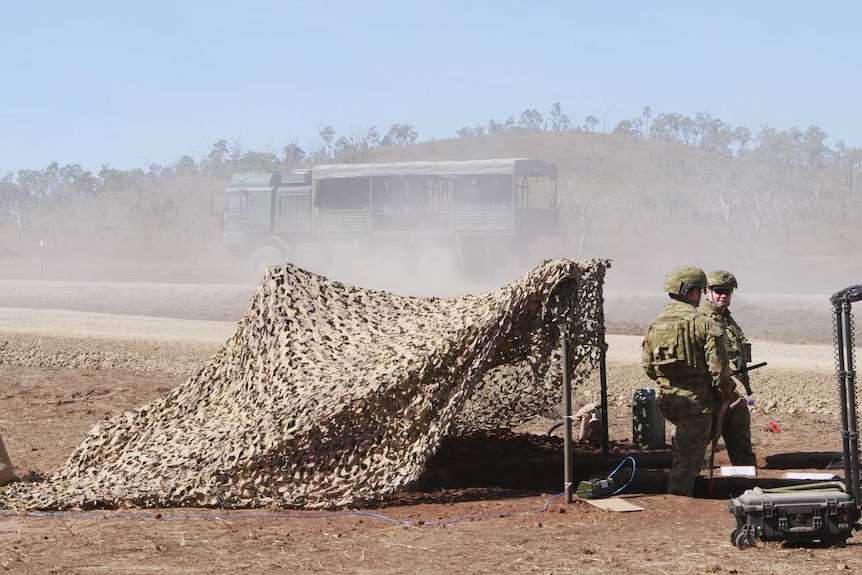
(247, 207)
(258, 205)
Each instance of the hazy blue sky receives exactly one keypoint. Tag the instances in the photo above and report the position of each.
(128, 84)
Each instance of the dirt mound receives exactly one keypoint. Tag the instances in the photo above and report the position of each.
(330, 395)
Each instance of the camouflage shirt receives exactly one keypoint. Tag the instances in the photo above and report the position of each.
(737, 345)
(683, 351)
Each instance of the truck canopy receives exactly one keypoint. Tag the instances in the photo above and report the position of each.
(447, 169)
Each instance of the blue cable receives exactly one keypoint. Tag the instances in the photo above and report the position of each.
(631, 478)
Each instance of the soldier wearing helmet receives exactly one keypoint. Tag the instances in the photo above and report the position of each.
(683, 352)
(736, 424)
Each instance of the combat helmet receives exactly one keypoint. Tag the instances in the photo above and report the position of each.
(679, 281)
(721, 278)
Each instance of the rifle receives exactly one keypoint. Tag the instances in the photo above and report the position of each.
(746, 391)
(718, 414)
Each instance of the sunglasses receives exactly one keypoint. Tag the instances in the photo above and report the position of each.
(723, 291)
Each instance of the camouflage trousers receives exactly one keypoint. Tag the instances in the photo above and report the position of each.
(689, 448)
(7, 474)
(736, 433)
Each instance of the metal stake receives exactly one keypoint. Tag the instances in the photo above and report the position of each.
(567, 415)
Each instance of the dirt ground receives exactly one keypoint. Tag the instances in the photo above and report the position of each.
(73, 353)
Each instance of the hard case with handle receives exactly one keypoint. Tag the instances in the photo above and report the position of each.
(825, 516)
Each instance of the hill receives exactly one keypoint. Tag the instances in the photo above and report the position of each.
(781, 224)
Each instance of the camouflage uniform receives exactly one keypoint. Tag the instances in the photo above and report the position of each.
(736, 425)
(683, 351)
(7, 475)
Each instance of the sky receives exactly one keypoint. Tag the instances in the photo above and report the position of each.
(131, 83)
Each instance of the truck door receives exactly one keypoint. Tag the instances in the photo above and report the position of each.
(293, 211)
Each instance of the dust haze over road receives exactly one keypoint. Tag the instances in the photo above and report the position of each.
(213, 296)
(201, 305)
(175, 327)
(783, 296)
(792, 318)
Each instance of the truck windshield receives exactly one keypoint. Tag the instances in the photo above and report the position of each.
(237, 203)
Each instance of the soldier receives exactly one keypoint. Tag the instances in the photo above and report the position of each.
(7, 475)
(683, 351)
(736, 424)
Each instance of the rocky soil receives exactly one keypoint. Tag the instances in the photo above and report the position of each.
(73, 353)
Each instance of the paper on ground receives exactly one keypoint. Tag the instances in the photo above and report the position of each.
(738, 470)
(806, 475)
(613, 504)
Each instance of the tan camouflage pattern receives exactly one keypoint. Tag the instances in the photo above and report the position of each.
(721, 278)
(689, 450)
(736, 433)
(679, 280)
(330, 395)
(7, 472)
(736, 425)
(683, 351)
(735, 343)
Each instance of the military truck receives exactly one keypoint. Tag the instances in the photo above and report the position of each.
(476, 213)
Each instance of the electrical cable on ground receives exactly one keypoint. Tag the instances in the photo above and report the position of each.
(606, 487)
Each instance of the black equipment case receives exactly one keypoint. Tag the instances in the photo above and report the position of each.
(825, 516)
(827, 512)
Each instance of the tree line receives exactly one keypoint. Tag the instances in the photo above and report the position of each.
(751, 177)
(703, 132)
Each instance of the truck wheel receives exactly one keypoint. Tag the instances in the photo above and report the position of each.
(262, 258)
(733, 537)
(390, 259)
(436, 271)
(438, 260)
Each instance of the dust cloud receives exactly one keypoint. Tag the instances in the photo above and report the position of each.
(779, 274)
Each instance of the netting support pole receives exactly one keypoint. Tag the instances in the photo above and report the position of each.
(846, 371)
(603, 380)
(851, 443)
(567, 415)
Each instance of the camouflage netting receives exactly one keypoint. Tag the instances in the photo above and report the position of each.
(330, 395)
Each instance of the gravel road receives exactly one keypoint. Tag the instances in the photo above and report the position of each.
(174, 328)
